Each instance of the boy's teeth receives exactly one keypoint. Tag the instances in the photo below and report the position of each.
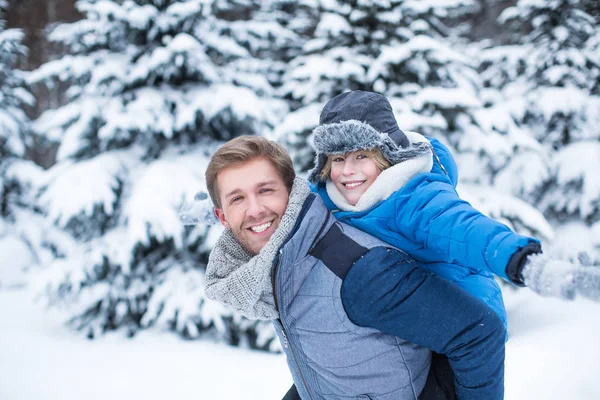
(261, 228)
(353, 184)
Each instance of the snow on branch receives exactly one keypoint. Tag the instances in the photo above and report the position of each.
(76, 189)
(157, 193)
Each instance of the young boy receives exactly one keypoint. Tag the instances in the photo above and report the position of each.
(400, 187)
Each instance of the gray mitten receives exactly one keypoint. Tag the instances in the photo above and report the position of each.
(200, 211)
(548, 276)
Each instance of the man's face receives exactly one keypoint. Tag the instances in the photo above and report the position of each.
(253, 199)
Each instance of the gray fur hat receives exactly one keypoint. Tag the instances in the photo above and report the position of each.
(361, 120)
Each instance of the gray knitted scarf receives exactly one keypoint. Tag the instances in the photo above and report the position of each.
(242, 281)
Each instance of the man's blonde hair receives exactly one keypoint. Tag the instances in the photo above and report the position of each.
(374, 154)
(243, 149)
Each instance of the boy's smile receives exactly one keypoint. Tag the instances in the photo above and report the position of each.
(352, 184)
(353, 173)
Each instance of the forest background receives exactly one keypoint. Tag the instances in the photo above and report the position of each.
(110, 110)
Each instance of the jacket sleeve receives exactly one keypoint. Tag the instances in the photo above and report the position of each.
(387, 291)
(429, 212)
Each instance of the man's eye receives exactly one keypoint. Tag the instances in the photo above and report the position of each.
(236, 199)
(265, 190)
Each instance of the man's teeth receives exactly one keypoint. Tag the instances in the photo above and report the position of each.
(351, 185)
(261, 228)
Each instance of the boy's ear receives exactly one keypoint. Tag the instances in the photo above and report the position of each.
(221, 216)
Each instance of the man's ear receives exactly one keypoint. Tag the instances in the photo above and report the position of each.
(221, 216)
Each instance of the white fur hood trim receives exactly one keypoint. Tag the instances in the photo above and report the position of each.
(388, 182)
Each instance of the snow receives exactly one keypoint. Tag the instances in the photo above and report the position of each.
(43, 361)
(327, 65)
(552, 349)
(15, 257)
(183, 83)
(573, 237)
(157, 195)
(96, 181)
(296, 122)
(332, 25)
(523, 174)
(9, 132)
(552, 354)
(446, 98)
(186, 8)
(555, 100)
(578, 162)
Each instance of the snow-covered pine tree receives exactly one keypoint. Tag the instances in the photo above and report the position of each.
(21, 234)
(429, 74)
(344, 41)
(155, 86)
(406, 50)
(548, 75)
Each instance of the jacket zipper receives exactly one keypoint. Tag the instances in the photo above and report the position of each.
(286, 343)
(437, 159)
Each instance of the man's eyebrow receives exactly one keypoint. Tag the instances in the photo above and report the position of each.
(261, 184)
(267, 183)
(234, 191)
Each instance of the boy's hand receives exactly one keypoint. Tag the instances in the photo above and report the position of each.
(558, 278)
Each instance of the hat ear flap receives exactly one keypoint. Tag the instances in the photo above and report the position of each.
(315, 174)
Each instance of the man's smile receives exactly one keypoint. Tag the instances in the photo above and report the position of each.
(261, 228)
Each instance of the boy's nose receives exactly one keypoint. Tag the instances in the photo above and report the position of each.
(348, 168)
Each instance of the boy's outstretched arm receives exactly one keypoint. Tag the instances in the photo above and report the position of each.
(388, 291)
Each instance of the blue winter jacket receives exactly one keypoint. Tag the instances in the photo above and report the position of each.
(427, 219)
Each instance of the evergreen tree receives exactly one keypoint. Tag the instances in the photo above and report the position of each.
(345, 39)
(21, 234)
(548, 76)
(156, 85)
(407, 51)
(429, 74)
(13, 95)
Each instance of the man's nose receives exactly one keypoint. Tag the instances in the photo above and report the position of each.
(255, 207)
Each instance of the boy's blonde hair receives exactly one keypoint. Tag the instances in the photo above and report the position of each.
(241, 150)
(374, 154)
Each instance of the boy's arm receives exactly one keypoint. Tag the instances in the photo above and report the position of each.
(387, 291)
(430, 212)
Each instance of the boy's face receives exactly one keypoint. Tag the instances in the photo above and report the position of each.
(353, 173)
(253, 199)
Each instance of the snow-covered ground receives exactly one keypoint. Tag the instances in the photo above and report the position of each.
(552, 353)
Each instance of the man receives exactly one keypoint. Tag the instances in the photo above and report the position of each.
(340, 299)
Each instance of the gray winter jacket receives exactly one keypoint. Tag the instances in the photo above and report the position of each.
(328, 355)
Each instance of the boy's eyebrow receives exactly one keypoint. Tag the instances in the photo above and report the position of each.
(261, 184)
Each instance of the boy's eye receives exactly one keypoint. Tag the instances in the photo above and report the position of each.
(361, 156)
(337, 159)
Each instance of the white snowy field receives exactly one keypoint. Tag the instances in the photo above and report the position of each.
(552, 353)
